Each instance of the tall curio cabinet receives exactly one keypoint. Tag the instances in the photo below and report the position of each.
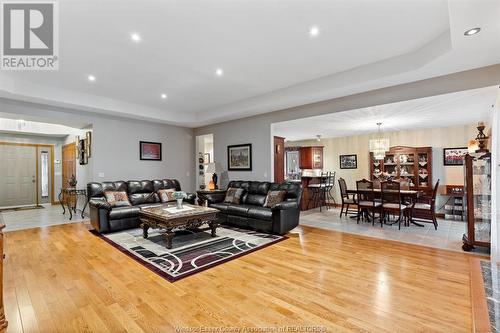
(478, 201)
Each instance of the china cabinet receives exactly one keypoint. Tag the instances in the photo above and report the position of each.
(410, 164)
(478, 201)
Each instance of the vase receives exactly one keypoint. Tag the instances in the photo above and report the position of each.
(179, 203)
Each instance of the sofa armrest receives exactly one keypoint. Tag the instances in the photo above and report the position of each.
(190, 198)
(99, 214)
(100, 204)
(285, 205)
(215, 198)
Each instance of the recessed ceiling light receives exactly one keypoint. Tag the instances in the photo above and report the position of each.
(472, 31)
(164, 96)
(135, 37)
(91, 78)
(219, 72)
(314, 31)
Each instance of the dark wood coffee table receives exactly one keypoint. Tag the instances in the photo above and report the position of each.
(170, 219)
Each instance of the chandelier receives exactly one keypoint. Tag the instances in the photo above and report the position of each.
(379, 145)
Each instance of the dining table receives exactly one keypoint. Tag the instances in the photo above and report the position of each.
(411, 195)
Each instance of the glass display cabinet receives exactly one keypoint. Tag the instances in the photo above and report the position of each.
(410, 164)
(478, 201)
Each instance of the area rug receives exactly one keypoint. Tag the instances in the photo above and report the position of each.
(192, 250)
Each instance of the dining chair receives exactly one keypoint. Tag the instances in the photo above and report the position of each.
(346, 201)
(392, 203)
(424, 209)
(366, 200)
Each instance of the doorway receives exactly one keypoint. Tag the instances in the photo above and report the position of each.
(26, 174)
(204, 156)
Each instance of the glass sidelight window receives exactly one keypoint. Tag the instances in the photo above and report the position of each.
(44, 176)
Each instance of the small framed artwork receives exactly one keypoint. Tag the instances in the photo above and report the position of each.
(239, 157)
(454, 156)
(150, 151)
(349, 161)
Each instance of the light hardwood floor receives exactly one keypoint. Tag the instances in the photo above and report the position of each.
(64, 279)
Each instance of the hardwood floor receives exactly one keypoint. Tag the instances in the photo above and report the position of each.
(64, 279)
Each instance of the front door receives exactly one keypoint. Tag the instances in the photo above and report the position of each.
(17, 175)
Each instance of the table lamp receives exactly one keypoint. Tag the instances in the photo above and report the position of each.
(214, 168)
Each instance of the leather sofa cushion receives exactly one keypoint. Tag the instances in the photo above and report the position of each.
(143, 198)
(96, 190)
(255, 192)
(118, 213)
(260, 213)
(238, 210)
(161, 184)
(293, 190)
(143, 186)
(220, 206)
(254, 199)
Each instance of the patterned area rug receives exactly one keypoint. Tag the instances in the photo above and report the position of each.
(192, 250)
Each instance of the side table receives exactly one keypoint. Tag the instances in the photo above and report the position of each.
(202, 195)
(69, 197)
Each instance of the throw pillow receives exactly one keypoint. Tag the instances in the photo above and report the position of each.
(274, 197)
(166, 195)
(233, 195)
(117, 198)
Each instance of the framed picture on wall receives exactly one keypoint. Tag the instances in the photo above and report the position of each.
(454, 156)
(239, 157)
(150, 151)
(349, 161)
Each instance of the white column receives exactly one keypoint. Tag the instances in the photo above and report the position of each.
(495, 183)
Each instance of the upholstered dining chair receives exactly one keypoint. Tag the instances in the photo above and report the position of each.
(424, 209)
(391, 202)
(346, 201)
(366, 200)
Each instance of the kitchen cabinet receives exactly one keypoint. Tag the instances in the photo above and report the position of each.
(311, 157)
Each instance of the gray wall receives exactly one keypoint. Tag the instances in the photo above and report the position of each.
(116, 151)
(116, 143)
(257, 129)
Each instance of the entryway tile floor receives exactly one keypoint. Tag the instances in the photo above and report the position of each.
(43, 217)
(448, 235)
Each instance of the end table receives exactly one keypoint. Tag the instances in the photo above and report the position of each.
(202, 195)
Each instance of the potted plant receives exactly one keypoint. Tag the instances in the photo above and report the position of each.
(179, 196)
(72, 181)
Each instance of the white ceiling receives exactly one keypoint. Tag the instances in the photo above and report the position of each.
(459, 108)
(269, 60)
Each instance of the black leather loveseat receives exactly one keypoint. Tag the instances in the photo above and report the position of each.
(105, 218)
(251, 213)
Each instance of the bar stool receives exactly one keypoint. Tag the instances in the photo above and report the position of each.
(318, 191)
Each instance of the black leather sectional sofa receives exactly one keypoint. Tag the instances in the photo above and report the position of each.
(105, 218)
(251, 213)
